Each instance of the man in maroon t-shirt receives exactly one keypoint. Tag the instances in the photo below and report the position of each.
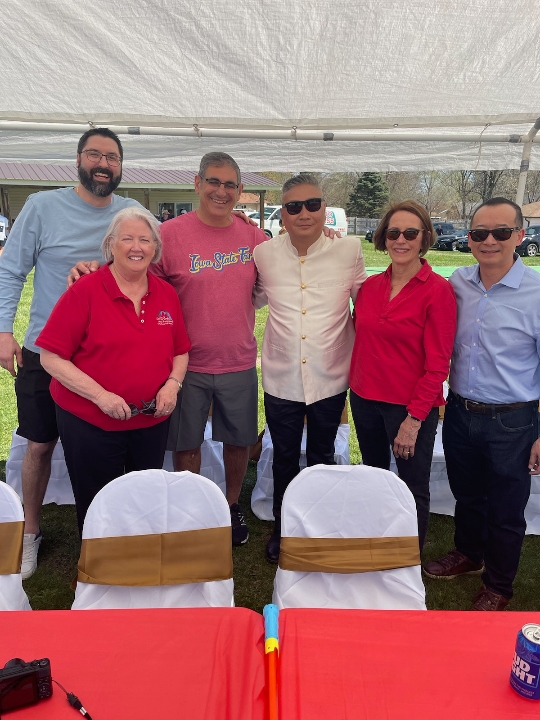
(208, 258)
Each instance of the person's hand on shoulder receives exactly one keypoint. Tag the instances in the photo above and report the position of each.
(9, 349)
(244, 217)
(331, 233)
(83, 267)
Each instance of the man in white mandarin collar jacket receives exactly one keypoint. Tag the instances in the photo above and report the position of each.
(307, 280)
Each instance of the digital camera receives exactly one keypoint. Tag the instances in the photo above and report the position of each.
(24, 683)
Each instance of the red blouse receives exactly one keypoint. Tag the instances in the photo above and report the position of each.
(95, 326)
(403, 346)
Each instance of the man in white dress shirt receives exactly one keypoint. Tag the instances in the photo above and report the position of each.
(307, 280)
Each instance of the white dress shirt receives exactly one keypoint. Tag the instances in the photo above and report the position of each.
(309, 334)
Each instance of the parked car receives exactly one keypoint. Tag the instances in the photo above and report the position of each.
(530, 245)
(449, 242)
(463, 244)
(444, 228)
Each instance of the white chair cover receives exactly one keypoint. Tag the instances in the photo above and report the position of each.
(211, 459)
(346, 502)
(151, 502)
(59, 488)
(262, 497)
(12, 595)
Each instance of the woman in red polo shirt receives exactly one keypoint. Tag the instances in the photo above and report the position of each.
(405, 327)
(117, 349)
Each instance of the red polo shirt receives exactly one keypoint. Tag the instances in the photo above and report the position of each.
(95, 326)
(403, 346)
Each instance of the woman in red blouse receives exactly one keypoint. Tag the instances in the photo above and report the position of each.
(117, 350)
(405, 327)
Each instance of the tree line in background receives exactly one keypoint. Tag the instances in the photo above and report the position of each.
(452, 195)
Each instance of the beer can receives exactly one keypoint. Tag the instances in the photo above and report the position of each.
(525, 674)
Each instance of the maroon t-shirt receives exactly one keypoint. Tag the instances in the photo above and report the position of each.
(95, 326)
(212, 270)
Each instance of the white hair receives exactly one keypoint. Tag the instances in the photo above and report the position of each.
(132, 213)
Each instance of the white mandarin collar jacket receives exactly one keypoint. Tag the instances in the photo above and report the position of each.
(309, 334)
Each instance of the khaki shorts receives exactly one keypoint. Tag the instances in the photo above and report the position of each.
(234, 402)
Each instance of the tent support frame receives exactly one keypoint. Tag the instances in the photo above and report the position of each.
(524, 167)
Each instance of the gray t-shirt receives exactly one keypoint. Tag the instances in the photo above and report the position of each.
(54, 230)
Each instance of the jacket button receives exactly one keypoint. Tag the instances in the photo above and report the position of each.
(303, 312)
(303, 287)
(303, 337)
(303, 360)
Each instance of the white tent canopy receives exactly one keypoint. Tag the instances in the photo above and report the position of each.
(261, 80)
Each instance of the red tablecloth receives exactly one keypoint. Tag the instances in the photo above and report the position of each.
(400, 665)
(144, 664)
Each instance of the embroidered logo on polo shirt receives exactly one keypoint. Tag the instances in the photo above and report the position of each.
(220, 260)
(164, 318)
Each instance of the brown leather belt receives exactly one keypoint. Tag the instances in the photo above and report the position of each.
(486, 409)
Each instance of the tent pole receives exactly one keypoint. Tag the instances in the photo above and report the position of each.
(524, 167)
(277, 133)
(6, 209)
(262, 193)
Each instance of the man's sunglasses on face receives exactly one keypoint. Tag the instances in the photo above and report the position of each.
(295, 206)
(498, 233)
(95, 156)
(216, 183)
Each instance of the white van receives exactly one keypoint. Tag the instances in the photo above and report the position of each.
(3, 230)
(335, 219)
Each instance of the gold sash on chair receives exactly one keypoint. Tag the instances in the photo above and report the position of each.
(348, 555)
(175, 558)
(11, 547)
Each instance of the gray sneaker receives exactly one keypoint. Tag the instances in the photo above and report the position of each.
(31, 545)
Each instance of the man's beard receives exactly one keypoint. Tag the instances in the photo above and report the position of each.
(99, 189)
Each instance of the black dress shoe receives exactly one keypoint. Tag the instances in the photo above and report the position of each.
(272, 548)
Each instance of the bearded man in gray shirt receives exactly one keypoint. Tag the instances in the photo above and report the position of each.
(53, 231)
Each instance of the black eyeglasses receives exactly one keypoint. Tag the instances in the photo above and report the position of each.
(409, 234)
(295, 206)
(229, 185)
(498, 233)
(95, 157)
(148, 408)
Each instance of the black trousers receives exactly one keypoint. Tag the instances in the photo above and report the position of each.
(487, 461)
(285, 419)
(94, 456)
(377, 424)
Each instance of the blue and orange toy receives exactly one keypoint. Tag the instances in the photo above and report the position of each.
(271, 650)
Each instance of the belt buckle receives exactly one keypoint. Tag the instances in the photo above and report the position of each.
(472, 402)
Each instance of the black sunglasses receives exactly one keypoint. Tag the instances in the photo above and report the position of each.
(408, 234)
(498, 233)
(148, 408)
(295, 206)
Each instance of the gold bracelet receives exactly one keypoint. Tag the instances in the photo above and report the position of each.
(176, 381)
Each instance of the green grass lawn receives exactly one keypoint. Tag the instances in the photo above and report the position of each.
(253, 576)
